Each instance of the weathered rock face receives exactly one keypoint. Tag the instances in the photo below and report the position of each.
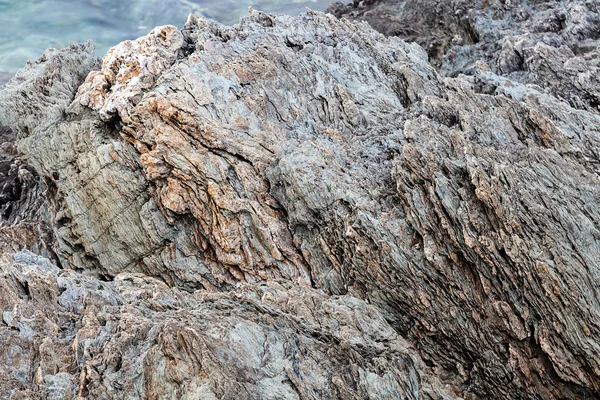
(435, 25)
(22, 206)
(321, 155)
(24, 215)
(135, 337)
(553, 44)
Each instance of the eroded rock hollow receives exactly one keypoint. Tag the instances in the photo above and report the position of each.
(301, 207)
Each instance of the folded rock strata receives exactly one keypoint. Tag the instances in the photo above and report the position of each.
(26, 102)
(319, 154)
(23, 211)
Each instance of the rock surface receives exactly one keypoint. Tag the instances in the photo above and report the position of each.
(552, 43)
(204, 183)
(72, 336)
(23, 211)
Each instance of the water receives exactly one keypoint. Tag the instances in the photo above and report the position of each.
(31, 26)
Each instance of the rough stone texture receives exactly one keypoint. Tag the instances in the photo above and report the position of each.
(553, 44)
(22, 207)
(317, 153)
(435, 25)
(67, 336)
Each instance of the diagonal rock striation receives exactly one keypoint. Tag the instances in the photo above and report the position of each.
(135, 337)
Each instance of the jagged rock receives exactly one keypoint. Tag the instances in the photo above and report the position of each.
(433, 24)
(24, 215)
(22, 208)
(317, 152)
(66, 336)
(553, 44)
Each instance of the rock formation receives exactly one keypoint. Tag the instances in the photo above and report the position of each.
(551, 43)
(22, 206)
(135, 337)
(301, 207)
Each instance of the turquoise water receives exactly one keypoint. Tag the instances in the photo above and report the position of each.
(28, 27)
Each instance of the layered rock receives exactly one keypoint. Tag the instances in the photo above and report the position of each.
(553, 44)
(319, 158)
(72, 336)
(36, 96)
(23, 211)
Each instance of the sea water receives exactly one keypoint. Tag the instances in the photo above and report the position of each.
(28, 27)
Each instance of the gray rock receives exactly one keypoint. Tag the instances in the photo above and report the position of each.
(24, 216)
(72, 336)
(23, 211)
(553, 44)
(320, 156)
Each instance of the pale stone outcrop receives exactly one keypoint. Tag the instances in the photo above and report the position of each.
(72, 336)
